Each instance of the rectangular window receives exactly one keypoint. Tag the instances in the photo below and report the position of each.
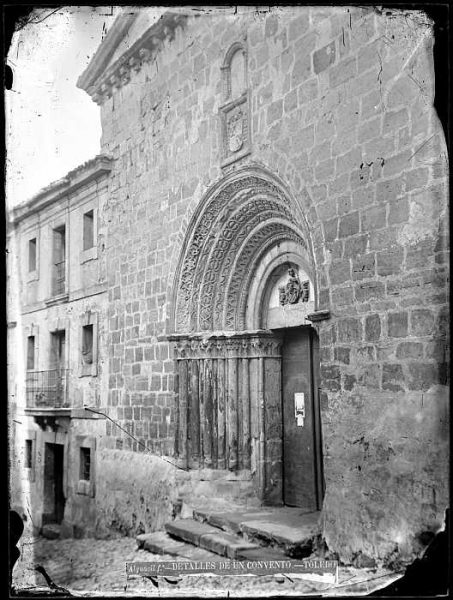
(32, 255)
(88, 230)
(57, 349)
(30, 352)
(59, 260)
(87, 344)
(85, 464)
(28, 454)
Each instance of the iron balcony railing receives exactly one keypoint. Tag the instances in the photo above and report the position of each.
(47, 389)
(59, 280)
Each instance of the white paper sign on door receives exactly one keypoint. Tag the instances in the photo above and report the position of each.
(299, 408)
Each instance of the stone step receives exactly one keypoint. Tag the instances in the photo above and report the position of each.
(291, 529)
(160, 542)
(51, 531)
(209, 538)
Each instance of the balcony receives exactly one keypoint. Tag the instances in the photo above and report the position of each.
(47, 389)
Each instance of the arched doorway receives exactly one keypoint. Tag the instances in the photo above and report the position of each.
(245, 281)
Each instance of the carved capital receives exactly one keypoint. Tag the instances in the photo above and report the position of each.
(244, 345)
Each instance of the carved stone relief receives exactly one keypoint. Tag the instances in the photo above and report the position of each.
(295, 290)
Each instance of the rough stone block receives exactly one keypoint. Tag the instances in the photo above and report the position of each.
(349, 225)
(323, 58)
(369, 130)
(349, 160)
(422, 322)
(420, 255)
(394, 120)
(307, 91)
(330, 230)
(355, 245)
(364, 266)
(301, 70)
(339, 271)
(397, 324)
(290, 101)
(345, 69)
(392, 377)
(342, 354)
(372, 328)
(325, 170)
(344, 205)
(409, 350)
(389, 262)
(298, 26)
(274, 111)
(373, 218)
(370, 376)
(339, 185)
(370, 104)
(349, 330)
(349, 382)
(397, 164)
(271, 26)
(389, 190)
(343, 296)
(398, 211)
(423, 375)
(369, 289)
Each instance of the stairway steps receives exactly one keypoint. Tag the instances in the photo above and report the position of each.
(288, 528)
(160, 542)
(208, 537)
(189, 530)
(251, 533)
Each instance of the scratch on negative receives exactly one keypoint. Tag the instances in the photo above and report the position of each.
(424, 144)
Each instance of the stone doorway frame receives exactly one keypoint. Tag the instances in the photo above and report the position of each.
(245, 227)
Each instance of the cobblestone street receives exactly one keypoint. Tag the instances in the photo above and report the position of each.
(87, 566)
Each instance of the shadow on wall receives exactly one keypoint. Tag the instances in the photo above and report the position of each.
(136, 493)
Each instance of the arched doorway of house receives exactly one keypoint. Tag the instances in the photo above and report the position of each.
(246, 354)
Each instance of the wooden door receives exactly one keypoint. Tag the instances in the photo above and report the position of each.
(54, 500)
(302, 477)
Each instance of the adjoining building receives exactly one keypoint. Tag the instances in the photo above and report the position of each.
(276, 272)
(59, 348)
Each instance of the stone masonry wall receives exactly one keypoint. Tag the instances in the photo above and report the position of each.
(341, 110)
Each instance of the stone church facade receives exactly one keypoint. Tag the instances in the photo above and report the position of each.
(276, 249)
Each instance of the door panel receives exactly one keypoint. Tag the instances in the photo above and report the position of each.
(54, 499)
(299, 449)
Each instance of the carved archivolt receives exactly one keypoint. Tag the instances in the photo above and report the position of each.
(244, 217)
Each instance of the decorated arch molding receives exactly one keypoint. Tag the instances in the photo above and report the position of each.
(246, 220)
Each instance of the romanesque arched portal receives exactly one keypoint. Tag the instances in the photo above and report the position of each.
(246, 266)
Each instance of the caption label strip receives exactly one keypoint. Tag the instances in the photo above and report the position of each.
(316, 569)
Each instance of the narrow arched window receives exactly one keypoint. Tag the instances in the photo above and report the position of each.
(235, 109)
(235, 72)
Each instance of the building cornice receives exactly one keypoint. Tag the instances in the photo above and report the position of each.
(78, 177)
(100, 80)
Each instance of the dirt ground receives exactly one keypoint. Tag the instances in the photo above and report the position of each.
(98, 567)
